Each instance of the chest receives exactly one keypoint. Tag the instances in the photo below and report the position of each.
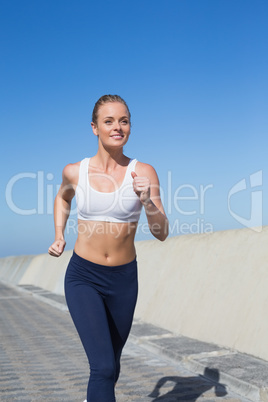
(106, 182)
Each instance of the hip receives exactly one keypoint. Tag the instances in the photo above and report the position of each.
(82, 271)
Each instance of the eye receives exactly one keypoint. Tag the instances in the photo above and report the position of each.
(124, 121)
(108, 122)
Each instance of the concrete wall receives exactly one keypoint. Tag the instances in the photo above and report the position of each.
(211, 287)
(40, 270)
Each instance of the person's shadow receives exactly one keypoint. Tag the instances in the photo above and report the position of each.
(189, 388)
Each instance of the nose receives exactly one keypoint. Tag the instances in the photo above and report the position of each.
(117, 125)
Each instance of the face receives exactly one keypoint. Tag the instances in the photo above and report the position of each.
(113, 125)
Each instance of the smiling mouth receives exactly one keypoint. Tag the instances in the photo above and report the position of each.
(117, 136)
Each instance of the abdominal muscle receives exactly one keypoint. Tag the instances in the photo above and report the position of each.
(106, 243)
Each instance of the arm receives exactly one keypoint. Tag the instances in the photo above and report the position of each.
(62, 207)
(146, 185)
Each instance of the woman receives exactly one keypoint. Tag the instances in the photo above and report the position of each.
(101, 278)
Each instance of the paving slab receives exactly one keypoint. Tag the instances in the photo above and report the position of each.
(244, 374)
(42, 358)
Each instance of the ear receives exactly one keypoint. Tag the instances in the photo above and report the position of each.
(94, 128)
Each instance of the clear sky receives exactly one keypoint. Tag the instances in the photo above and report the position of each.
(194, 74)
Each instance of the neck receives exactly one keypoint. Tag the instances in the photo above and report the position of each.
(110, 157)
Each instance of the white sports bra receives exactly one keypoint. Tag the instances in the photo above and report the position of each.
(121, 205)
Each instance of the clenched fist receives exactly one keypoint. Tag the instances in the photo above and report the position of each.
(141, 186)
(56, 249)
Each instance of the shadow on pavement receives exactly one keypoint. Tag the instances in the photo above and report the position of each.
(189, 388)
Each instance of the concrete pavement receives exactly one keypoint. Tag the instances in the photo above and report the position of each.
(42, 359)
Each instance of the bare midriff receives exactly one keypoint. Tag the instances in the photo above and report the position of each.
(106, 243)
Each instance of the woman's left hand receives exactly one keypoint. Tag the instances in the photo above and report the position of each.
(141, 186)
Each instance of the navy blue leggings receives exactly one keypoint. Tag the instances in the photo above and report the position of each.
(101, 300)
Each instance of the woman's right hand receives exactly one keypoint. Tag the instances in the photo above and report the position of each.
(56, 248)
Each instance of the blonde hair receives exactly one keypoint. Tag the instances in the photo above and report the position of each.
(107, 99)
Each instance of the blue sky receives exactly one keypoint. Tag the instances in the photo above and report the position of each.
(194, 74)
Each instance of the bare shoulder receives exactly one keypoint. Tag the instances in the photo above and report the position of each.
(70, 173)
(144, 169)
